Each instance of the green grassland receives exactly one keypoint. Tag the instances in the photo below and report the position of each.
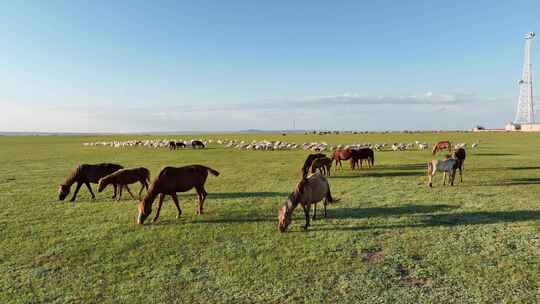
(390, 239)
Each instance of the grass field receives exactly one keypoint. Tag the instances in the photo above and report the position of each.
(389, 240)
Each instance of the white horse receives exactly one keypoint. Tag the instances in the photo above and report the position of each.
(446, 166)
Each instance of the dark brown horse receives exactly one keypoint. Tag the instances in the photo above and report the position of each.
(308, 191)
(124, 177)
(197, 144)
(309, 161)
(170, 181)
(341, 154)
(86, 174)
(460, 156)
(445, 144)
(360, 155)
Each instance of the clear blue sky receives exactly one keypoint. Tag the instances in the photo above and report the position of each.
(228, 65)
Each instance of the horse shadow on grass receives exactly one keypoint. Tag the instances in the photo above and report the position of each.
(516, 182)
(380, 174)
(228, 195)
(524, 168)
(494, 154)
(438, 220)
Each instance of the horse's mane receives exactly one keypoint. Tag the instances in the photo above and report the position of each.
(298, 191)
(72, 177)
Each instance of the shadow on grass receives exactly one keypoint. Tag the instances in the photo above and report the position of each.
(495, 154)
(381, 174)
(454, 219)
(220, 195)
(405, 166)
(523, 168)
(358, 213)
(515, 182)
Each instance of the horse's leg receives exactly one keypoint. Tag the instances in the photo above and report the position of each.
(461, 172)
(314, 211)
(76, 191)
(119, 192)
(324, 204)
(129, 191)
(177, 204)
(142, 188)
(201, 194)
(161, 197)
(306, 213)
(114, 189)
(90, 189)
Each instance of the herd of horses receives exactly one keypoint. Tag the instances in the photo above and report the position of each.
(173, 145)
(310, 190)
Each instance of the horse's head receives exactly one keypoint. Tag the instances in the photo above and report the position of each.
(101, 185)
(63, 191)
(145, 208)
(284, 218)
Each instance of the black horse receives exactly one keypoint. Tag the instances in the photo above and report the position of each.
(197, 144)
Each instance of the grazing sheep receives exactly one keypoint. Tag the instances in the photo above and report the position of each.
(125, 177)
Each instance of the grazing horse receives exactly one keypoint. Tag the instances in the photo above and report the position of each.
(441, 146)
(124, 177)
(180, 144)
(197, 144)
(447, 166)
(309, 161)
(341, 154)
(360, 155)
(172, 145)
(86, 174)
(459, 155)
(171, 180)
(323, 164)
(310, 190)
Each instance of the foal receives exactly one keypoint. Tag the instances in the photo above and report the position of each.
(448, 165)
(124, 177)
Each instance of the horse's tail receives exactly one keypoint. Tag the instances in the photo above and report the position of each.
(429, 168)
(329, 198)
(212, 171)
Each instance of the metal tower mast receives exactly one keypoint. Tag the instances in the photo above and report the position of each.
(525, 110)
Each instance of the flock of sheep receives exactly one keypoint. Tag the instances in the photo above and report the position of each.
(266, 145)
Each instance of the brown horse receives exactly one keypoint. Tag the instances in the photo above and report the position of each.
(171, 180)
(341, 154)
(86, 174)
(309, 161)
(460, 156)
(360, 155)
(445, 144)
(124, 177)
(308, 191)
(323, 164)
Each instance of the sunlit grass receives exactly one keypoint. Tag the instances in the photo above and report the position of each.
(389, 239)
